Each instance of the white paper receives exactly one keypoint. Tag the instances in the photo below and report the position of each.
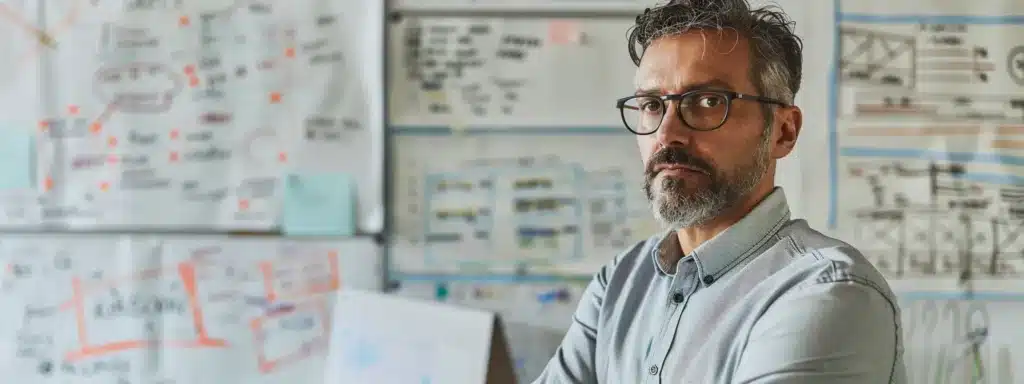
(147, 310)
(392, 340)
(188, 114)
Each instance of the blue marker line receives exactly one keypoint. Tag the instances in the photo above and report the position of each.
(992, 178)
(930, 19)
(553, 295)
(908, 153)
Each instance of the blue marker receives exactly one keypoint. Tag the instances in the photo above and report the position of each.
(556, 295)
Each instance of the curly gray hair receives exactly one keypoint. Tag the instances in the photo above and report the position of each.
(775, 50)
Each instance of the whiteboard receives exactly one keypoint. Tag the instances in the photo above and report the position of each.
(158, 309)
(186, 114)
(481, 204)
(508, 72)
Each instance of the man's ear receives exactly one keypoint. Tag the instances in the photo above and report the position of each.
(788, 121)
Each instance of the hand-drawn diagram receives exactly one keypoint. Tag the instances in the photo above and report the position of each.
(507, 72)
(953, 341)
(1015, 64)
(929, 124)
(489, 208)
(116, 303)
(184, 104)
(102, 309)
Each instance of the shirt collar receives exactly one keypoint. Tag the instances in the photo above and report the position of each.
(721, 253)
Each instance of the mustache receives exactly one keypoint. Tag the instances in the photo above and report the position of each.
(676, 156)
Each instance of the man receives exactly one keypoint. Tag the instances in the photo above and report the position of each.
(734, 291)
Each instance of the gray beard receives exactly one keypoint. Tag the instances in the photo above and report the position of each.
(676, 208)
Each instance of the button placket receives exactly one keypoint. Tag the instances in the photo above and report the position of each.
(678, 300)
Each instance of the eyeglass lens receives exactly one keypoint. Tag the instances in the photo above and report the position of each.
(700, 111)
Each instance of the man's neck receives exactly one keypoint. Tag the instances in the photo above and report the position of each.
(692, 237)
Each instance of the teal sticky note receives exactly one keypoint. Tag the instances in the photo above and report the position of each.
(17, 154)
(320, 204)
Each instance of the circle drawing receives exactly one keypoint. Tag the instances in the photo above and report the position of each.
(1015, 64)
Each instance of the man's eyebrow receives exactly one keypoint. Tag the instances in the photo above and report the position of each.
(710, 84)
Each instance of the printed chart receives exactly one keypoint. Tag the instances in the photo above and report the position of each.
(478, 206)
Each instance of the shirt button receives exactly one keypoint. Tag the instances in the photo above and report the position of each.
(709, 279)
(678, 297)
(653, 370)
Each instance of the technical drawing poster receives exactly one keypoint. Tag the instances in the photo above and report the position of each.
(148, 310)
(187, 113)
(478, 204)
(928, 140)
(518, 72)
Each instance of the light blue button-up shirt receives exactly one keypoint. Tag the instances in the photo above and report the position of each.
(768, 300)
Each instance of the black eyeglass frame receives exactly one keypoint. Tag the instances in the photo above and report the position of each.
(664, 99)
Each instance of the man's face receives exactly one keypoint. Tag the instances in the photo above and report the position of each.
(693, 176)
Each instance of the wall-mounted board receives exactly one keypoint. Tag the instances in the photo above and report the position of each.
(157, 309)
(531, 73)
(188, 114)
(485, 204)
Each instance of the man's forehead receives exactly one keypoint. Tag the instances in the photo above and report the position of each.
(664, 80)
(695, 57)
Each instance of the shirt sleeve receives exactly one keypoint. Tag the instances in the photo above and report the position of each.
(574, 360)
(838, 332)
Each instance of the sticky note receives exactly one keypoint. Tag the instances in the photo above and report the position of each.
(319, 204)
(563, 32)
(17, 155)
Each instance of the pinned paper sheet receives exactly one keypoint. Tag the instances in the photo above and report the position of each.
(17, 153)
(322, 204)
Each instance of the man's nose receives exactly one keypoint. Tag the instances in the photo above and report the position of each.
(672, 132)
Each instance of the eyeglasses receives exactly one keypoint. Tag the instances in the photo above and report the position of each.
(701, 110)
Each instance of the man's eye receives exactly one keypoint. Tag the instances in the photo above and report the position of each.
(650, 106)
(709, 101)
